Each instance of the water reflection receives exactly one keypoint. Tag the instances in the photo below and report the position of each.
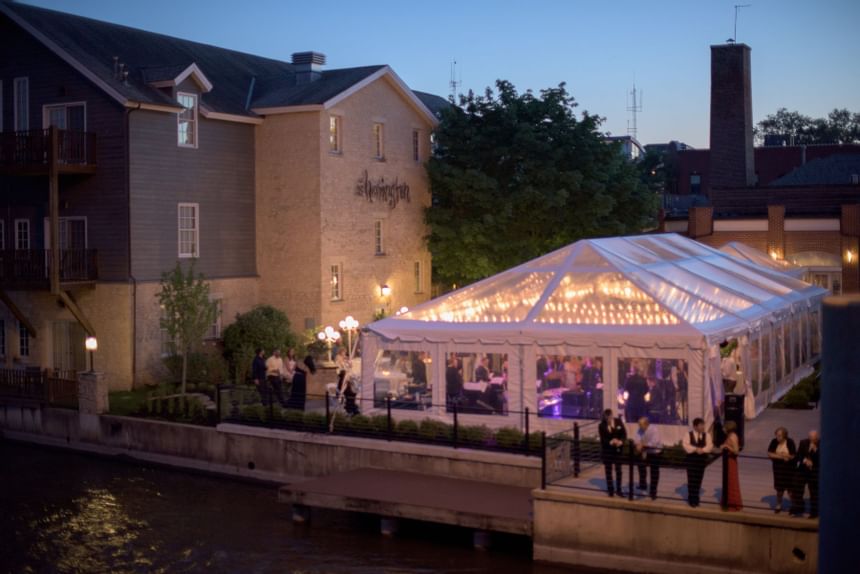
(68, 513)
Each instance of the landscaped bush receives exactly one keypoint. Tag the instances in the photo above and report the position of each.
(509, 437)
(432, 430)
(407, 429)
(262, 327)
(379, 424)
(314, 422)
(362, 424)
(205, 371)
(806, 391)
(473, 435)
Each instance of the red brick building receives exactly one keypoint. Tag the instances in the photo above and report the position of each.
(799, 203)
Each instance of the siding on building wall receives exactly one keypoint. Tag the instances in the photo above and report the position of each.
(101, 198)
(218, 175)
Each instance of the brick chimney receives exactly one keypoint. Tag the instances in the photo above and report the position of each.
(732, 163)
(308, 66)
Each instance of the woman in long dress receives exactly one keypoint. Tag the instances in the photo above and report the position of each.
(781, 452)
(732, 446)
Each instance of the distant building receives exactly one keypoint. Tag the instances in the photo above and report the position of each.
(124, 151)
(631, 149)
(797, 203)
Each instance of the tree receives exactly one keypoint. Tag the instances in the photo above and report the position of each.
(840, 126)
(188, 312)
(263, 327)
(515, 176)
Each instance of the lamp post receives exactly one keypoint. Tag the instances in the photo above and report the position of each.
(385, 295)
(92, 345)
(350, 325)
(329, 336)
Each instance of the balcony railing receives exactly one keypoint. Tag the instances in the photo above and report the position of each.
(32, 384)
(31, 268)
(30, 150)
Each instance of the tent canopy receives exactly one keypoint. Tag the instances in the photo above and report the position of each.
(635, 287)
(757, 257)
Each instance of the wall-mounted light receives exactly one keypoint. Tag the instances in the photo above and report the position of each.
(385, 291)
(774, 254)
(850, 256)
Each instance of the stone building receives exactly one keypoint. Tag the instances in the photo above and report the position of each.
(123, 151)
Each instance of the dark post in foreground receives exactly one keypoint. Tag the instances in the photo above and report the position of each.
(840, 427)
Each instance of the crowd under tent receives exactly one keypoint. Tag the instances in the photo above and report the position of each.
(628, 323)
(758, 257)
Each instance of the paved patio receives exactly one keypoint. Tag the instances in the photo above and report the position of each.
(756, 476)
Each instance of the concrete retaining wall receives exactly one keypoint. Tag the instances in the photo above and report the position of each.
(654, 537)
(237, 450)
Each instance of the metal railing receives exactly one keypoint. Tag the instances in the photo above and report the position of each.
(31, 267)
(385, 421)
(50, 387)
(31, 148)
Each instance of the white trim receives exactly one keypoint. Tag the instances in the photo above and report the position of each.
(87, 73)
(46, 120)
(15, 234)
(198, 76)
(196, 253)
(210, 115)
(25, 80)
(154, 107)
(812, 225)
(288, 109)
(740, 225)
(47, 228)
(195, 120)
(338, 134)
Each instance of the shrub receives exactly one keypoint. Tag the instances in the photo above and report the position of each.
(407, 429)
(293, 418)
(379, 424)
(204, 368)
(473, 435)
(362, 424)
(535, 441)
(254, 413)
(265, 327)
(342, 424)
(509, 437)
(314, 422)
(435, 430)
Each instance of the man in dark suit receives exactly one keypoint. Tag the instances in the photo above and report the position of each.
(453, 382)
(698, 446)
(636, 386)
(808, 455)
(612, 437)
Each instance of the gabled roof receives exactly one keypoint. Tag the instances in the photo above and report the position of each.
(836, 169)
(642, 286)
(760, 258)
(233, 82)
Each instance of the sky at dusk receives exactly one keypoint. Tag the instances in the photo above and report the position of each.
(804, 53)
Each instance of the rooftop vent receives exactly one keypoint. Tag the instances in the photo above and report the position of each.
(308, 66)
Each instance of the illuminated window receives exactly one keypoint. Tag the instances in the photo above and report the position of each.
(418, 272)
(186, 120)
(695, 183)
(22, 234)
(378, 237)
(189, 230)
(21, 104)
(379, 140)
(337, 282)
(23, 340)
(334, 134)
(416, 145)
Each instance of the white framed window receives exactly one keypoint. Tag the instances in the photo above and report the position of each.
(418, 276)
(2, 235)
(186, 120)
(21, 104)
(416, 145)
(336, 281)
(2, 338)
(334, 134)
(22, 234)
(168, 345)
(23, 340)
(215, 327)
(189, 230)
(379, 237)
(379, 140)
(70, 116)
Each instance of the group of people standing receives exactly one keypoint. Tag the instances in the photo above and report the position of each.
(272, 374)
(795, 468)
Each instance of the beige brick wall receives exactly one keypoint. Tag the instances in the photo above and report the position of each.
(108, 308)
(237, 296)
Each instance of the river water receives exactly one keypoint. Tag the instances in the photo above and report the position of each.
(66, 512)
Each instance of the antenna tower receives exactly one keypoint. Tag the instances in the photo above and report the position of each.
(454, 83)
(738, 9)
(634, 106)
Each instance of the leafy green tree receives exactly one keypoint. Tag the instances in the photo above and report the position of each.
(840, 126)
(263, 327)
(188, 312)
(514, 176)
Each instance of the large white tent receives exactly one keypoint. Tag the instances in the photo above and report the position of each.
(609, 310)
(757, 257)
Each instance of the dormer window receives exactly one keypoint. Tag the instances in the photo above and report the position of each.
(186, 120)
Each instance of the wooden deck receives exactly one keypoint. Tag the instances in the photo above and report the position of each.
(397, 494)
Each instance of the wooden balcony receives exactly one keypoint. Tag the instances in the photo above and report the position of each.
(29, 152)
(30, 269)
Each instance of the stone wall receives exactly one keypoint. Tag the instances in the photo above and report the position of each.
(641, 536)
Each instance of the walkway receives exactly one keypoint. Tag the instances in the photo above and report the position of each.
(397, 494)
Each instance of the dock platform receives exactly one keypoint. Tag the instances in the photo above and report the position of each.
(397, 494)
